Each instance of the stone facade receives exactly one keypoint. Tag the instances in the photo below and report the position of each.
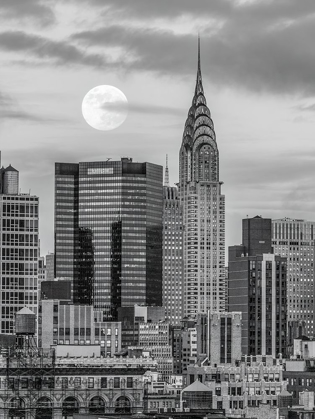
(250, 383)
(73, 385)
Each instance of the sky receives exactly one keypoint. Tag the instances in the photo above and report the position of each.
(258, 69)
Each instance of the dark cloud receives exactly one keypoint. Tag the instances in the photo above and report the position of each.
(260, 46)
(36, 10)
(46, 49)
(226, 9)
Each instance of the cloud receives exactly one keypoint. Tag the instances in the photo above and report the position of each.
(259, 46)
(11, 110)
(263, 10)
(43, 49)
(143, 108)
(28, 9)
(306, 108)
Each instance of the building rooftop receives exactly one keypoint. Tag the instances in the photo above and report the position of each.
(196, 387)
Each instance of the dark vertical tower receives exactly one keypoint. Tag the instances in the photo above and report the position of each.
(116, 256)
(203, 209)
(257, 235)
(257, 288)
(83, 287)
(120, 205)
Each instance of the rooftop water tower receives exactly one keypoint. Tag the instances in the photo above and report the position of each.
(25, 328)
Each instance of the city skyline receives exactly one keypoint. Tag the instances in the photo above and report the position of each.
(259, 91)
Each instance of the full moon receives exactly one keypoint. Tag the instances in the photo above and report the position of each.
(105, 107)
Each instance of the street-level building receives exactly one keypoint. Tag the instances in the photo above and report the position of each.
(61, 387)
(253, 381)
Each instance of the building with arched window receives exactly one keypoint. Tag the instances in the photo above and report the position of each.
(50, 388)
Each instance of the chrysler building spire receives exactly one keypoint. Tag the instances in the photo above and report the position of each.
(199, 88)
(203, 209)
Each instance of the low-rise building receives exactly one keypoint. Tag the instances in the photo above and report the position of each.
(50, 387)
(253, 381)
(64, 323)
(162, 354)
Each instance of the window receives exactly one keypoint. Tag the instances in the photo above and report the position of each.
(77, 382)
(116, 382)
(129, 382)
(103, 382)
(64, 382)
(90, 382)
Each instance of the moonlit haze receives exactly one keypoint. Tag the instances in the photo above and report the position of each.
(257, 64)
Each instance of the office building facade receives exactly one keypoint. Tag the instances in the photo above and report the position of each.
(63, 323)
(108, 232)
(203, 209)
(294, 240)
(19, 249)
(257, 289)
(224, 338)
(172, 255)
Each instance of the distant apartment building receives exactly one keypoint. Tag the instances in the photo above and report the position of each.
(19, 245)
(162, 354)
(154, 334)
(172, 255)
(224, 338)
(257, 288)
(253, 381)
(63, 323)
(294, 239)
(50, 266)
(132, 317)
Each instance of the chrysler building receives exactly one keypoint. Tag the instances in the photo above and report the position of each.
(203, 209)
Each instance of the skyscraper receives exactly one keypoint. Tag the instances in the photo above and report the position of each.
(108, 232)
(19, 249)
(294, 240)
(257, 288)
(203, 209)
(172, 253)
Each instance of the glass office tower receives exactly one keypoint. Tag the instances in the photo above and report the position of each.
(108, 232)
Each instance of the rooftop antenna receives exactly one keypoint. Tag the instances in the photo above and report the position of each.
(166, 177)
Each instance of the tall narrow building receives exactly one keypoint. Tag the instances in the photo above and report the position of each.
(108, 233)
(19, 249)
(172, 253)
(203, 209)
(294, 240)
(257, 283)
